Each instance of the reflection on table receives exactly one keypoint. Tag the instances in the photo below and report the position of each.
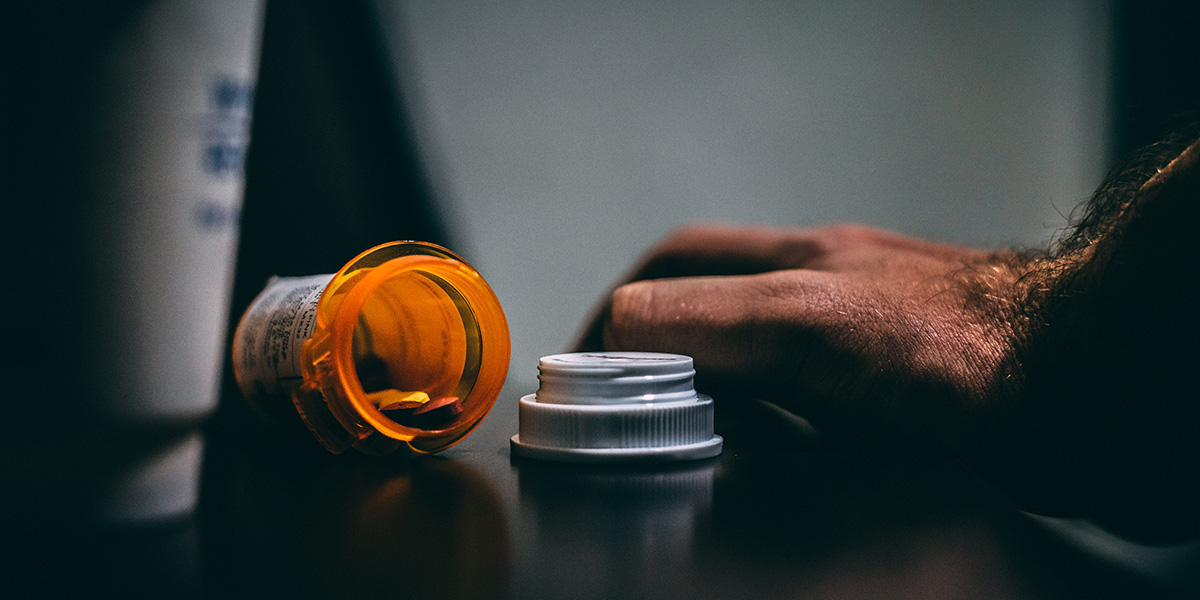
(781, 513)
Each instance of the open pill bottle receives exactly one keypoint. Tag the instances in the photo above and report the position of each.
(406, 347)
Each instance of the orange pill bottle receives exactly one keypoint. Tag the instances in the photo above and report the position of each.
(405, 348)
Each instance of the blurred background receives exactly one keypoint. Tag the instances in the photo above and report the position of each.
(550, 143)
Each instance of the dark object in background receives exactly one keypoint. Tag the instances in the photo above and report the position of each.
(1156, 70)
(332, 168)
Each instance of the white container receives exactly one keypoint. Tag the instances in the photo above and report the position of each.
(133, 127)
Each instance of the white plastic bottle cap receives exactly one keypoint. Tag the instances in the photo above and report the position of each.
(616, 407)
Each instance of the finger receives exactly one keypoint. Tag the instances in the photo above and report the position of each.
(706, 249)
(711, 249)
(735, 326)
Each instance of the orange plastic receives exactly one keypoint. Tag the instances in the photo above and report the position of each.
(403, 320)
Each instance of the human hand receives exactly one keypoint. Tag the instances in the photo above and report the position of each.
(860, 331)
(1061, 375)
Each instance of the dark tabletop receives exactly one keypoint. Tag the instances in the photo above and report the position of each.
(780, 514)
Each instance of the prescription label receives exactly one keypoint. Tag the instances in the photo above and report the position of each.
(266, 353)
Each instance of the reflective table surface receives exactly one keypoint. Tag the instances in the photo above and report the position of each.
(780, 514)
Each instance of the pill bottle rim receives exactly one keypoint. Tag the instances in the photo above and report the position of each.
(429, 259)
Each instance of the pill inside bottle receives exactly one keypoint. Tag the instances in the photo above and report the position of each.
(404, 348)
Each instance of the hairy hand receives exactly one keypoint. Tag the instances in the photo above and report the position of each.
(1061, 375)
(859, 330)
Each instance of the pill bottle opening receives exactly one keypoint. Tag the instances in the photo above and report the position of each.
(423, 345)
(417, 351)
